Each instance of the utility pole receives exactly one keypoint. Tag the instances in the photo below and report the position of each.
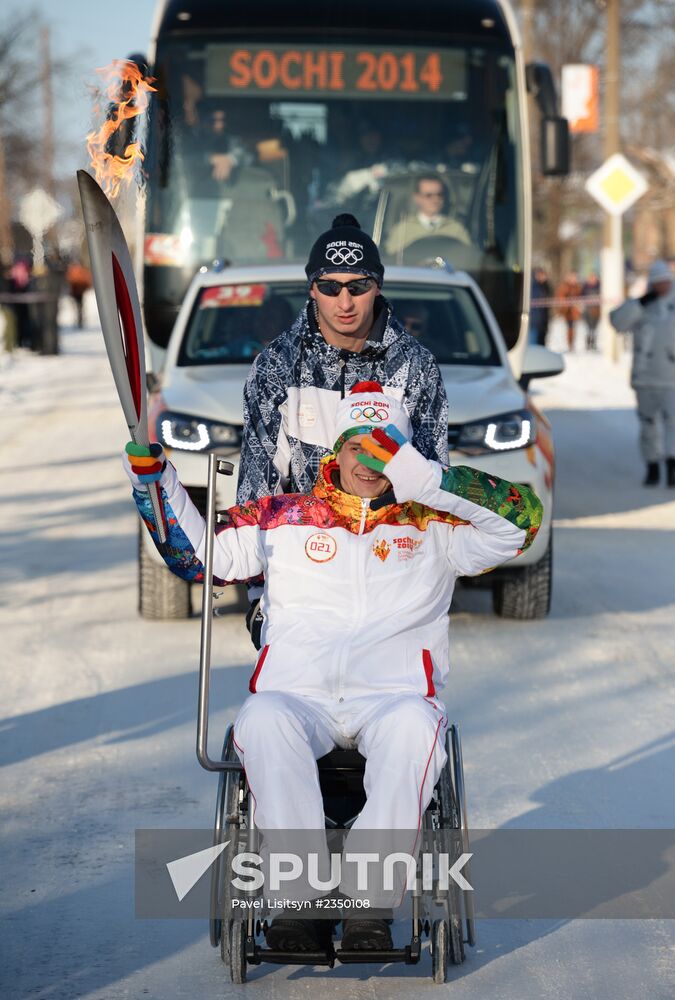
(48, 102)
(612, 262)
(6, 247)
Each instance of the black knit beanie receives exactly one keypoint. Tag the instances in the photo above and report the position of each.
(344, 248)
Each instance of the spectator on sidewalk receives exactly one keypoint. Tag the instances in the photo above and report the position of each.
(570, 291)
(79, 281)
(540, 291)
(20, 280)
(651, 320)
(591, 291)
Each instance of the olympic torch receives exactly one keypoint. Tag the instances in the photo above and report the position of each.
(120, 314)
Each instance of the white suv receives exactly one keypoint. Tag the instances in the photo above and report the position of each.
(230, 315)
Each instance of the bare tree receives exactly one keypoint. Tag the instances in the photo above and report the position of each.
(19, 101)
(573, 31)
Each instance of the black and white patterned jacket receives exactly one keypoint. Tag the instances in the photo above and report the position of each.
(295, 384)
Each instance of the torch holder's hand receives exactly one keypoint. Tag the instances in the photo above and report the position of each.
(143, 465)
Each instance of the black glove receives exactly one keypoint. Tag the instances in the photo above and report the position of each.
(254, 623)
(648, 297)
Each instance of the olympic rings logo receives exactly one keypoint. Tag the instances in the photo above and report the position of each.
(376, 415)
(344, 255)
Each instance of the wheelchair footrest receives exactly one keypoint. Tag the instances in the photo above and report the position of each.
(292, 957)
(357, 956)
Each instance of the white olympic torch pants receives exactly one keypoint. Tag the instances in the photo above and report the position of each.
(279, 738)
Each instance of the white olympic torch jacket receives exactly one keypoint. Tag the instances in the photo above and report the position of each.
(355, 600)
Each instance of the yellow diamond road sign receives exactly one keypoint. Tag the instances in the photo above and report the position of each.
(616, 185)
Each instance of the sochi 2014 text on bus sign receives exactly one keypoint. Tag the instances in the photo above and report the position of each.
(344, 71)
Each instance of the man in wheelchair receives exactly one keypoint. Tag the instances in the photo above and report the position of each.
(359, 576)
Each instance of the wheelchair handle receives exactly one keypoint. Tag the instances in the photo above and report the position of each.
(217, 464)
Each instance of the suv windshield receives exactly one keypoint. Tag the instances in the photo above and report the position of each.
(232, 323)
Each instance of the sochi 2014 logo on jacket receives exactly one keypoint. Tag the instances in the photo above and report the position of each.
(382, 549)
(406, 547)
(320, 547)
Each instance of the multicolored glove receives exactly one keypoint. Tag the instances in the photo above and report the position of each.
(144, 465)
(381, 446)
(391, 454)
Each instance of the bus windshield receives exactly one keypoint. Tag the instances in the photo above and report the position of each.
(253, 149)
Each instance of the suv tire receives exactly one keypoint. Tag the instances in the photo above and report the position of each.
(526, 594)
(161, 594)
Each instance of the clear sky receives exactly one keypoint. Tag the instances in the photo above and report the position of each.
(93, 33)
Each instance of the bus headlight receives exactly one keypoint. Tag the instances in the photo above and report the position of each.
(186, 433)
(505, 432)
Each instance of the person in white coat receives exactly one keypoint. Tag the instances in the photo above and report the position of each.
(355, 641)
(651, 320)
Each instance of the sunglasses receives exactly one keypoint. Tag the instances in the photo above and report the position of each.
(358, 286)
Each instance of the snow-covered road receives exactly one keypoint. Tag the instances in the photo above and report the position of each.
(566, 722)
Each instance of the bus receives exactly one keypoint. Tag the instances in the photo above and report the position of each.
(270, 119)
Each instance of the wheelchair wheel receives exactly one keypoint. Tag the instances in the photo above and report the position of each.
(226, 805)
(225, 934)
(455, 940)
(214, 919)
(231, 834)
(439, 951)
(460, 795)
(237, 951)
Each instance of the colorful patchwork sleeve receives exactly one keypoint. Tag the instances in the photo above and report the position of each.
(496, 520)
(238, 553)
(503, 518)
(517, 506)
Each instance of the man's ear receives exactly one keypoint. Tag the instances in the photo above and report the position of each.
(312, 292)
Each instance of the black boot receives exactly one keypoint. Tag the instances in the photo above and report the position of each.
(363, 934)
(653, 474)
(295, 935)
(670, 471)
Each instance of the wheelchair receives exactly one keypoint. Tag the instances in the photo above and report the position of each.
(443, 914)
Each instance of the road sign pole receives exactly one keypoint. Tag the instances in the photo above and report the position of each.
(616, 185)
(612, 284)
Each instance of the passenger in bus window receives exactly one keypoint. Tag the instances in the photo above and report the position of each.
(429, 216)
(363, 171)
(228, 150)
(210, 145)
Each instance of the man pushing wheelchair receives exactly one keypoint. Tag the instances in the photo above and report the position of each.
(359, 575)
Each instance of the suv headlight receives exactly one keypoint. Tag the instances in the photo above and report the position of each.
(504, 432)
(186, 433)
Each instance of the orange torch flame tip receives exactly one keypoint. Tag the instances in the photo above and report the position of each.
(127, 92)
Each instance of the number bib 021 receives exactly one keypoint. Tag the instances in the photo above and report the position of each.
(320, 547)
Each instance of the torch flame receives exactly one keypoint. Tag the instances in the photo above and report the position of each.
(127, 93)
